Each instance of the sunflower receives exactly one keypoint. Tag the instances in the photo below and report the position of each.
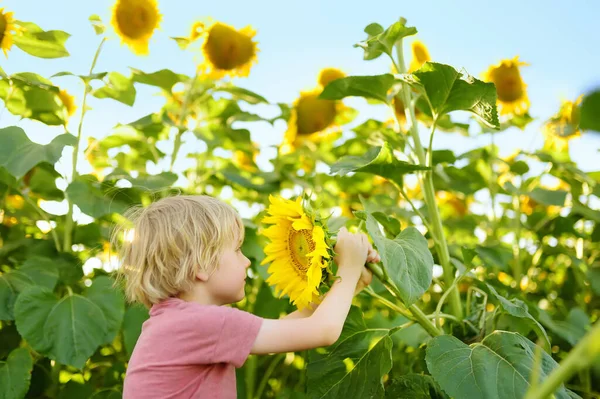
(420, 55)
(227, 51)
(69, 103)
(243, 159)
(196, 31)
(7, 30)
(458, 205)
(512, 93)
(298, 251)
(135, 21)
(311, 119)
(328, 75)
(563, 126)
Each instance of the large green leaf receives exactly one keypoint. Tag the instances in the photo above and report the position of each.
(15, 374)
(118, 88)
(111, 302)
(449, 90)
(548, 197)
(383, 41)
(31, 96)
(375, 87)
(406, 258)
(572, 329)
(518, 308)
(414, 386)
(165, 78)
(590, 112)
(379, 161)
(8, 295)
(18, 154)
(499, 367)
(67, 329)
(135, 316)
(39, 43)
(92, 201)
(354, 366)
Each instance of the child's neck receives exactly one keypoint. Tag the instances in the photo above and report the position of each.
(202, 298)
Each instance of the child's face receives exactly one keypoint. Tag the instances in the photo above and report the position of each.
(228, 281)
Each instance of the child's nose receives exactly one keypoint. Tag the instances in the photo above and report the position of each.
(248, 263)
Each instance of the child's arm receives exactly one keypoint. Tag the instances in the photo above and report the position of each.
(324, 326)
(365, 279)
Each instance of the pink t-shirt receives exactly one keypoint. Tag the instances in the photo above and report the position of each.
(187, 350)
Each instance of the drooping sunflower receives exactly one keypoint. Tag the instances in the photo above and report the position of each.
(328, 75)
(226, 51)
(7, 29)
(420, 55)
(512, 91)
(298, 251)
(69, 104)
(563, 126)
(135, 21)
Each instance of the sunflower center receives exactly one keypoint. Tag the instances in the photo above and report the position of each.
(136, 21)
(314, 114)
(508, 84)
(300, 243)
(227, 48)
(3, 25)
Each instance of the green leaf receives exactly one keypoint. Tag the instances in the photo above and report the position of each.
(354, 366)
(165, 78)
(414, 386)
(145, 181)
(498, 256)
(18, 154)
(67, 330)
(243, 94)
(92, 201)
(134, 317)
(15, 374)
(31, 96)
(375, 87)
(35, 41)
(381, 41)
(8, 295)
(548, 197)
(499, 367)
(590, 112)
(518, 308)
(406, 258)
(111, 302)
(75, 390)
(97, 24)
(572, 329)
(378, 161)
(449, 90)
(119, 88)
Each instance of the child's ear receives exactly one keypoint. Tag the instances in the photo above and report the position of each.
(202, 276)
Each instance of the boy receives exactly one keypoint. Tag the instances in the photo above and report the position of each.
(183, 260)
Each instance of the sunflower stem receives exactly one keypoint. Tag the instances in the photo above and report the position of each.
(428, 189)
(263, 382)
(180, 127)
(580, 357)
(516, 244)
(414, 208)
(87, 88)
(417, 314)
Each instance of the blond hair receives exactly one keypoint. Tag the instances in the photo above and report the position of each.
(170, 241)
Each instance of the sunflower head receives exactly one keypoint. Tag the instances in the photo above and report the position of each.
(7, 30)
(135, 21)
(512, 93)
(227, 51)
(563, 126)
(420, 55)
(311, 118)
(298, 253)
(244, 160)
(68, 102)
(458, 206)
(328, 75)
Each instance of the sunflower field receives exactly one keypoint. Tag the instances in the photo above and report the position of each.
(489, 280)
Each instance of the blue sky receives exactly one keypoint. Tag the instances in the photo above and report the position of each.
(296, 39)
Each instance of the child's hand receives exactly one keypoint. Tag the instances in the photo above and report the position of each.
(352, 251)
(365, 279)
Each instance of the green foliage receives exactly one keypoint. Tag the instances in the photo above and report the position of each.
(498, 367)
(527, 273)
